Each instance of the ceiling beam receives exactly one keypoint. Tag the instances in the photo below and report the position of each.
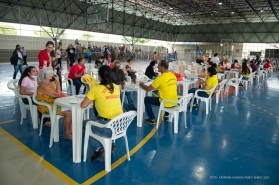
(273, 10)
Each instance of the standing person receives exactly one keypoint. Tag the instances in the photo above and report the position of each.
(118, 78)
(88, 55)
(215, 59)
(24, 54)
(59, 57)
(167, 90)
(106, 97)
(76, 72)
(149, 72)
(44, 55)
(17, 60)
(155, 56)
(71, 54)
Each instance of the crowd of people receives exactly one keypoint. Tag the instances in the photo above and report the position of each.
(106, 95)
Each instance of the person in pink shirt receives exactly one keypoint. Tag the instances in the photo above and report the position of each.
(44, 55)
(76, 72)
(28, 82)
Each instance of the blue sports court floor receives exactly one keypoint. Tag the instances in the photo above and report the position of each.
(236, 143)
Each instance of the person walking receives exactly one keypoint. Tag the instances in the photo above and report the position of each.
(17, 60)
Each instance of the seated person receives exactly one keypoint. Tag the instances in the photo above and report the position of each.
(76, 72)
(267, 65)
(106, 97)
(234, 64)
(149, 72)
(245, 70)
(211, 81)
(222, 67)
(118, 78)
(130, 71)
(167, 90)
(253, 66)
(28, 83)
(48, 90)
(99, 62)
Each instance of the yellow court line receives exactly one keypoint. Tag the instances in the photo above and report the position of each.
(39, 159)
(122, 159)
(9, 121)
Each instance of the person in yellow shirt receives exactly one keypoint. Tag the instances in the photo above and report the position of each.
(167, 90)
(106, 97)
(211, 81)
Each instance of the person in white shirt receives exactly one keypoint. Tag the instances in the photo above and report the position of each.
(24, 54)
(28, 82)
(215, 59)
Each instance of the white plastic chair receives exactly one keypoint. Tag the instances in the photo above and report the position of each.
(235, 83)
(65, 80)
(259, 75)
(25, 107)
(53, 129)
(12, 84)
(87, 84)
(71, 86)
(220, 89)
(207, 100)
(249, 81)
(221, 76)
(174, 111)
(118, 126)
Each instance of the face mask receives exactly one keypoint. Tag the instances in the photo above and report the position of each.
(33, 76)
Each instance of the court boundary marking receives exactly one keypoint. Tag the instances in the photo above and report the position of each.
(64, 176)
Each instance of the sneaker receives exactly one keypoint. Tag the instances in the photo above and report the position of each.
(97, 154)
(166, 117)
(195, 106)
(135, 109)
(150, 121)
(113, 147)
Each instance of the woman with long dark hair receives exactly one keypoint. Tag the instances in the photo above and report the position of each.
(28, 82)
(245, 70)
(106, 97)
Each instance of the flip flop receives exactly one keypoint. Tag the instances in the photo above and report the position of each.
(47, 124)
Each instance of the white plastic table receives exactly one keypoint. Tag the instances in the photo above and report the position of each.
(140, 101)
(72, 102)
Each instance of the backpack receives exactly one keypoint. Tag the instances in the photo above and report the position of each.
(13, 60)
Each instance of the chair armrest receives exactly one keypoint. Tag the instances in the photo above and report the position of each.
(97, 124)
(27, 97)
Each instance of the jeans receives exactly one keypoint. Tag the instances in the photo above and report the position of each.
(89, 59)
(202, 94)
(78, 84)
(148, 101)
(16, 68)
(104, 132)
(130, 99)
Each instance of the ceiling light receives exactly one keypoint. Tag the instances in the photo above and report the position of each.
(262, 10)
(171, 8)
(232, 13)
(220, 3)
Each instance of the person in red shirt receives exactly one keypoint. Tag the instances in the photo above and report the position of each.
(44, 55)
(76, 72)
(267, 65)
